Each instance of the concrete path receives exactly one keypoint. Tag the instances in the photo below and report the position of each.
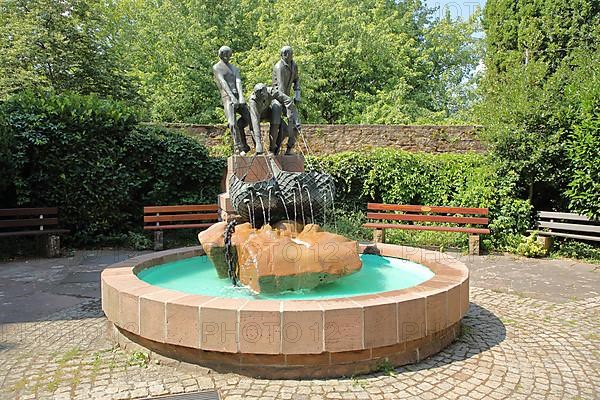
(555, 280)
(531, 333)
(32, 289)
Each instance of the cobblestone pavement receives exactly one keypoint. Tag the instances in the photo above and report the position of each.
(512, 347)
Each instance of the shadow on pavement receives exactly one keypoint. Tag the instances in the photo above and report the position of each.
(481, 330)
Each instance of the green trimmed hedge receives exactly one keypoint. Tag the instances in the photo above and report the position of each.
(583, 149)
(401, 177)
(92, 159)
(89, 157)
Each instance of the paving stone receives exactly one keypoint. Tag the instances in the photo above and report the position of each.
(513, 348)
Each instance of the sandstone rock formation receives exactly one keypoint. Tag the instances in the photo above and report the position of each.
(287, 257)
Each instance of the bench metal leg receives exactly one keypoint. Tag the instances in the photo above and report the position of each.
(474, 248)
(51, 246)
(379, 235)
(158, 240)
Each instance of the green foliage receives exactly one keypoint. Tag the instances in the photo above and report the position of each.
(348, 224)
(369, 61)
(374, 61)
(584, 151)
(399, 177)
(88, 157)
(385, 367)
(583, 146)
(59, 44)
(578, 250)
(542, 76)
(138, 359)
(439, 240)
(530, 247)
(138, 241)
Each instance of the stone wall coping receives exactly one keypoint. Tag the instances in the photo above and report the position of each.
(224, 126)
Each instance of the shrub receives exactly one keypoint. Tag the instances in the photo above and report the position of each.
(89, 157)
(530, 247)
(579, 250)
(348, 224)
(584, 151)
(138, 241)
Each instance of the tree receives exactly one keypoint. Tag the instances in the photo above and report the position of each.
(535, 50)
(171, 46)
(374, 61)
(57, 44)
(356, 58)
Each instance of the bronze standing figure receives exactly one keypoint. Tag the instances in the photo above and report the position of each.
(229, 82)
(285, 74)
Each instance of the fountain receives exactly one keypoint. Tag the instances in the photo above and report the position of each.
(307, 303)
(269, 293)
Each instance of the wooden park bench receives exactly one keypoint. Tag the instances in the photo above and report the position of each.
(566, 225)
(33, 222)
(161, 218)
(434, 216)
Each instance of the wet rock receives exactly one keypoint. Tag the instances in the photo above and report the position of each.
(287, 257)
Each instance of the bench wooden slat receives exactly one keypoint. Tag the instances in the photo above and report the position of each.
(32, 233)
(10, 212)
(560, 215)
(435, 209)
(481, 231)
(176, 226)
(15, 223)
(185, 208)
(569, 227)
(429, 218)
(181, 217)
(569, 235)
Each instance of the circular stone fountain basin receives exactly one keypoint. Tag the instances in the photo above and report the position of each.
(197, 275)
(393, 312)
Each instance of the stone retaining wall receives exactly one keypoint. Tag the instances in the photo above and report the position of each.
(329, 139)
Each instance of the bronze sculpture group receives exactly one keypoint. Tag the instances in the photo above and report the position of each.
(267, 103)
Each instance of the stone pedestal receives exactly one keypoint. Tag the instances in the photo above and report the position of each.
(253, 169)
(474, 248)
(545, 241)
(158, 240)
(51, 246)
(257, 168)
(379, 235)
(226, 211)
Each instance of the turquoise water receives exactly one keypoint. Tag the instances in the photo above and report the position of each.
(197, 275)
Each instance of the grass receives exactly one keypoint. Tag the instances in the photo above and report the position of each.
(361, 383)
(348, 224)
(466, 330)
(96, 364)
(576, 250)
(385, 367)
(592, 336)
(69, 355)
(138, 359)
(180, 238)
(20, 385)
(12, 248)
(441, 240)
(57, 377)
